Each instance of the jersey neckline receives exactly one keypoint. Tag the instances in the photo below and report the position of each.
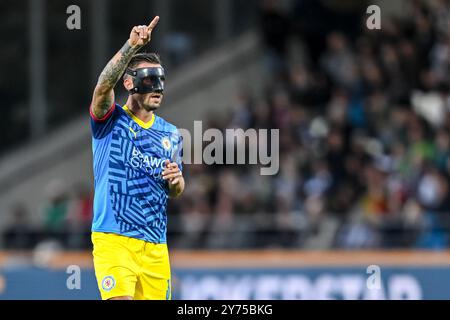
(145, 125)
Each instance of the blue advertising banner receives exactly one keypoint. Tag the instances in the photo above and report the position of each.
(245, 283)
(314, 283)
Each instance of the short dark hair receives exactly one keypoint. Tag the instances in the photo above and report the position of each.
(144, 57)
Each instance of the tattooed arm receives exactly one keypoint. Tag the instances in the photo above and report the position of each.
(103, 97)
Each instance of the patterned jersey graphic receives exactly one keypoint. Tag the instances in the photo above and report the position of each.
(133, 160)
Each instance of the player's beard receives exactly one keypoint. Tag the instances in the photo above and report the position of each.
(150, 105)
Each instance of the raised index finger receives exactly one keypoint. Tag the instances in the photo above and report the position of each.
(153, 23)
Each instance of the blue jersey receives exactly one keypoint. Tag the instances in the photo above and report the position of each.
(129, 156)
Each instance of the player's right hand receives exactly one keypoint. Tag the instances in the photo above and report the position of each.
(141, 35)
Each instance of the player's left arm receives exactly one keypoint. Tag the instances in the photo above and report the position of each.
(174, 177)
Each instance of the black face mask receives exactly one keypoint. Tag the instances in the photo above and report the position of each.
(146, 80)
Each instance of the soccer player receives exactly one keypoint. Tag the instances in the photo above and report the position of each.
(137, 166)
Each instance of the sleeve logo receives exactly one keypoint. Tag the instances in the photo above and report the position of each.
(166, 143)
(108, 283)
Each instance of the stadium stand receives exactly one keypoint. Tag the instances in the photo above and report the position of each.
(364, 135)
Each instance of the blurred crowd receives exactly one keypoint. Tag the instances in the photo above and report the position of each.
(364, 120)
(66, 219)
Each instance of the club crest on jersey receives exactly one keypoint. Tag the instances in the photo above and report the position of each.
(108, 283)
(166, 143)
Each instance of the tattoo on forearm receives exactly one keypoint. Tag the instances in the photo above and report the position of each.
(115, 68)
(125, 47)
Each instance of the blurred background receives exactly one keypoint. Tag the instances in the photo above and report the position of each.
(364, 120)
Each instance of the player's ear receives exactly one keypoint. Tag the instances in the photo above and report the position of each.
(128, 83)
